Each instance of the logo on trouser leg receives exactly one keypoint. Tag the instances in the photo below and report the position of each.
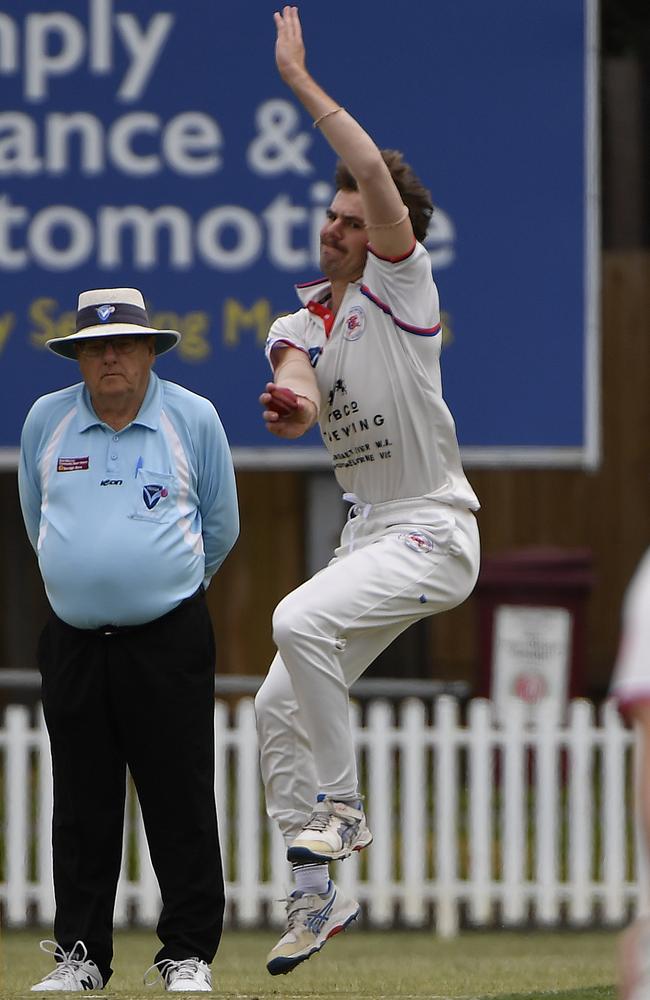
(417, 541)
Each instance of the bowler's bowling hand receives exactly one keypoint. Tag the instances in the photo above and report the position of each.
(285, 414)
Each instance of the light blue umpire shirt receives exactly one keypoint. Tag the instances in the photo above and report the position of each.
(126, 524)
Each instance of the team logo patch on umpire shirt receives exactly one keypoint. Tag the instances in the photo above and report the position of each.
(72, 464)
(153, 493)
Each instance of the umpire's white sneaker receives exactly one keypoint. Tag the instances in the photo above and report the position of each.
(312, 920)
(74, 970)
(333, 831)
(188, 975)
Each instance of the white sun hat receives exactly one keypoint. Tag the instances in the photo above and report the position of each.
(110, 312)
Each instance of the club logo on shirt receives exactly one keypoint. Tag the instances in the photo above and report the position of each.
(152, 494)
(417, 541)
(355, 323)
(104, 312)
(72, 464)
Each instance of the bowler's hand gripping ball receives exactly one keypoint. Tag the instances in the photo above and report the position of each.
(283, 401)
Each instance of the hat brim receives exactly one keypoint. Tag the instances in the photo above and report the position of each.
(164, 340)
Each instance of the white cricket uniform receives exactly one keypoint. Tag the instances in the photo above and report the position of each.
(630, 685)
(631, 677)
(410, 547)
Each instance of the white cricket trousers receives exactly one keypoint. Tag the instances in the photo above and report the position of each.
(397, 562)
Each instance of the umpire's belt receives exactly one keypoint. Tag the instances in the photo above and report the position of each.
(123, 629)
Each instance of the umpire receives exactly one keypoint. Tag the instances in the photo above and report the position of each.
(128, 494)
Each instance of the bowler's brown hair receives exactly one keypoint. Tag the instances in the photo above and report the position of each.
(412, 191)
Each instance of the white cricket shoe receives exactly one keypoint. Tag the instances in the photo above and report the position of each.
(188, 975)
(311, 920)
(74, 970)
(333, 831)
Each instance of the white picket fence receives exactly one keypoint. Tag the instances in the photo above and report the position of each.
(473, 823)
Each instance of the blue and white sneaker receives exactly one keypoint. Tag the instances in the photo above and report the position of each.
(74, 971)
(312, 920)
(333, 831)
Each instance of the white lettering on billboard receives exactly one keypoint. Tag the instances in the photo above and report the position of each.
(47, 48)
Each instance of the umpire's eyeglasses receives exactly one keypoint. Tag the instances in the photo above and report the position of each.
(95, 347)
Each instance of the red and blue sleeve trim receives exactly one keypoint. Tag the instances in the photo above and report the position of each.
(393, 260)
(281, 342)
(419, 331)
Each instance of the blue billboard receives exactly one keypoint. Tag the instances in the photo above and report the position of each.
(154, 145)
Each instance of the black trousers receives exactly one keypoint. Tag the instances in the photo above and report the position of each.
(141, 698)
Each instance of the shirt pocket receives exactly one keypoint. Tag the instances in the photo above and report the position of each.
(155, 497)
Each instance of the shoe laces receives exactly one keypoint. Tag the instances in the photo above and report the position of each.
(67, 962)
(322, 816)
(298, 908)
(164, 969)
(318, 820)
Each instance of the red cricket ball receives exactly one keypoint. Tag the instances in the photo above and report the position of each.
(283, 401)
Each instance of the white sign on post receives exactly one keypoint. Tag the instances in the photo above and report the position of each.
(530, 660)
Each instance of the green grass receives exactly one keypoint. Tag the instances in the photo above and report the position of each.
(406, 964)
(597, 993)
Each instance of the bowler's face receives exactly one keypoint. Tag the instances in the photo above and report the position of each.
(116, 376)
(344, 238)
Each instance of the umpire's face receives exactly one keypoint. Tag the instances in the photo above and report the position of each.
(116, 369)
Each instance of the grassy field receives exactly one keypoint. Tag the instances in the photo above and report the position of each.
(405, 964)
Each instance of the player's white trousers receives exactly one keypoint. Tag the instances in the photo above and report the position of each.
(397, 563)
